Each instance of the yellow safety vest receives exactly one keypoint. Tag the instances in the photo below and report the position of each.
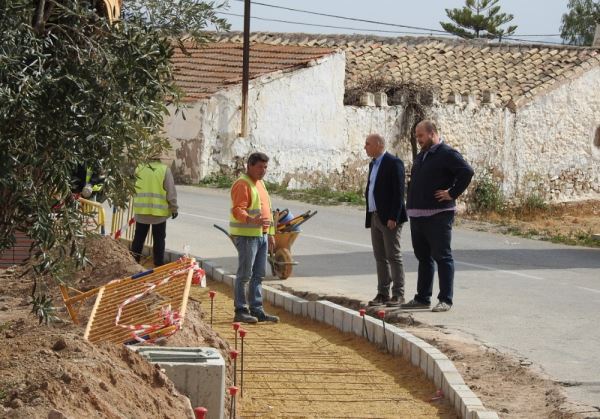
(236, 228)
(151, 196)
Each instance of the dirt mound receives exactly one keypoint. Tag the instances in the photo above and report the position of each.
(109, 260)
(51, 372)
(47, 369)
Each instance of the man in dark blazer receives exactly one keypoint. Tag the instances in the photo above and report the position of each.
(384, 216)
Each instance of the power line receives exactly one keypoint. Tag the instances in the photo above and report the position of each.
(529, 41)
(345, 17)
(329, 26)
(548, 34)
(430, 30)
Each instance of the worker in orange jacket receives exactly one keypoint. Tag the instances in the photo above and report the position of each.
(252, 229)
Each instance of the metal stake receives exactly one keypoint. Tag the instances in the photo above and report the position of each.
(365, 332)
(242, 335)
(381, 314)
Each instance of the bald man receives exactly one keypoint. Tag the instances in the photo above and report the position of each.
(385, 214)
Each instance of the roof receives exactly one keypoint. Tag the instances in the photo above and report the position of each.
(204, 70)
(514, 72)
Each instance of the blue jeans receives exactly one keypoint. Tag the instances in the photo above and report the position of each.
(431, 239)
(252, 261)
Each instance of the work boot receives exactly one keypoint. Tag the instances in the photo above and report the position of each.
(244, 317)
(395, 301)
(264, 317)
(414, 304)
(379, 300)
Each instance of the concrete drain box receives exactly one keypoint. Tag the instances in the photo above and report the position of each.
(199, 373)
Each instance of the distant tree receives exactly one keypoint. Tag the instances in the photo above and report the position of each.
(579, 24)
(479, 19)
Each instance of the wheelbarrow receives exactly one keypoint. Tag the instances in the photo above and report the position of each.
(286, 233)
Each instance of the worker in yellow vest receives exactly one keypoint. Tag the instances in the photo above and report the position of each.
(154, 202)
(251, 225)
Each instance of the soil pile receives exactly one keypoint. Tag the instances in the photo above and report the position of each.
(51, 372)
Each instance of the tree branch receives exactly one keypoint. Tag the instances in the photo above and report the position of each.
(38, 17)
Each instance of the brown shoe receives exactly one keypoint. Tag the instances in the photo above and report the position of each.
(395, 301)
(379, 300)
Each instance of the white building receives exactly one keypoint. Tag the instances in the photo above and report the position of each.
(529, 115)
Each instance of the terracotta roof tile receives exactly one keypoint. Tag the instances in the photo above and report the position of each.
(447, 66)
(206, 69)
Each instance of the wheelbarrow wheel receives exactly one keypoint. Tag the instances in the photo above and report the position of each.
(284, 269)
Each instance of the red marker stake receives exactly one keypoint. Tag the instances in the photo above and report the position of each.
(200, 412)
(234, 355)
(236, 327)
(381, 314)
(232, 391)
(242, 335)
(211, 294)
(365, 332)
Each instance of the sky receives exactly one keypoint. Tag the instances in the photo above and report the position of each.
(533, 17)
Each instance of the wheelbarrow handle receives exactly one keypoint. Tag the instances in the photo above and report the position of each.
(218, 227)
(290, 227)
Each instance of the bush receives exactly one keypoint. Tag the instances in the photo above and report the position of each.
(533, 203)
(487, 196)
(217, 180)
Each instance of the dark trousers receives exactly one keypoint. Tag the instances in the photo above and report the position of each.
(159, 233)
(431, 239)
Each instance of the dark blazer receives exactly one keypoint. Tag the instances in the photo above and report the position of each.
(443, 168)
(388, 191)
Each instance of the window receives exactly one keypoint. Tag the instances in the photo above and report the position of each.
(597, 138)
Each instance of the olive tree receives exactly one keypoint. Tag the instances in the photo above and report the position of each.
(78, 90)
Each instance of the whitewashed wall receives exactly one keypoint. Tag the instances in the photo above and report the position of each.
(299, 119)
(483, 134)
(554, 134)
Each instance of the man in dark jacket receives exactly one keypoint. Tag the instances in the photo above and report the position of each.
(384, 216)
(439, 175)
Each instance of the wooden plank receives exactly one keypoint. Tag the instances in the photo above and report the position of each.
(93, 313)
(186, 294)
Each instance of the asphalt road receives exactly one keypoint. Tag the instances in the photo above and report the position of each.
(537, 300)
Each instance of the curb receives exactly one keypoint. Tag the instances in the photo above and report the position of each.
(434, 364)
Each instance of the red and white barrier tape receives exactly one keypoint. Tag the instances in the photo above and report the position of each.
(171, 319)
(124, 228)
(199, 275)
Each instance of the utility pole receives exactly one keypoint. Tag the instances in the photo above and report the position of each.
(596, 42)
(245, 69)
